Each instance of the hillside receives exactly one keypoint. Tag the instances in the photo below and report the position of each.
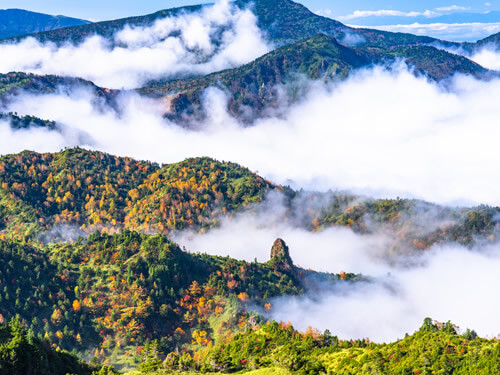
(438, 64)
(492, 41)
(253, 86)
(279, 349)
(25, 122)
(284, 21)
(287, 22)
(81, 269)
(253, 90)
(66, 194)
(18, 22)
(15, 83)
(92, 190)
(23, 353)
(107, 29)
(105, 295)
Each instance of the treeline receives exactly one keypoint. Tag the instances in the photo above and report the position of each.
(56, 197)
(92, 190)
(22, 353)
(436, 348)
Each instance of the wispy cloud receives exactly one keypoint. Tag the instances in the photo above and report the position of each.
(387, 12)
(406, 286)
(452, 8)
(324, 12)
(446, 31)
(398, 13)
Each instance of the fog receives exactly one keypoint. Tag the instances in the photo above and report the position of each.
(381, 132)
(447, 282)
(453, 284)
(487, 55)
(216, 38)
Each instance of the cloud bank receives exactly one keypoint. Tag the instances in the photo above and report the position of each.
(216, 38)
(444, 31)
(447, 282)
(452, 284)
(382, 133)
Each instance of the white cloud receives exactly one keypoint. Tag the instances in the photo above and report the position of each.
(386, 12)
(487, 4)
(445, 283)
(445, 31)
(218, 37)
(487, 56)
(452, 8)
(379, 132)
(324, 12)
(453, 284)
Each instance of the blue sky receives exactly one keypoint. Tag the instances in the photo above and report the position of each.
(109, 9)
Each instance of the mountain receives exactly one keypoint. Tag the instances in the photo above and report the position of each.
(107, 29)
(25, 122)
(284, 21)
(82, 268)
(315, 47)
(15, 82)
(103, 191)
(18, 22)
(252, 87)
(491, 41)
(108, 294)
(50, 197)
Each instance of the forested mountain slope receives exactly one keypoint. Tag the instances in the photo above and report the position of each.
(84, 190)
(257, 88)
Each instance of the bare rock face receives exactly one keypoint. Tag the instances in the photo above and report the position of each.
(280, 255)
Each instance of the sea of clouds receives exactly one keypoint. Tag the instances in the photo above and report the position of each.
(381, 132)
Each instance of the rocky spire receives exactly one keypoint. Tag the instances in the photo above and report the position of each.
(280, 255)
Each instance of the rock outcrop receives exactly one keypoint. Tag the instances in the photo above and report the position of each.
(280, 255)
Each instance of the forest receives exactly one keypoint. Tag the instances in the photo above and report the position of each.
(185, 264)
(87, 270)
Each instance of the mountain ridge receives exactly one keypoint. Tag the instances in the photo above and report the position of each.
(278, 18)
(18, 22)
(321, 57)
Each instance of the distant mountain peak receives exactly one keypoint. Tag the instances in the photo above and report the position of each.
(18, 22)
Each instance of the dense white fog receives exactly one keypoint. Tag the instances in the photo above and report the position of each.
(380, 132)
